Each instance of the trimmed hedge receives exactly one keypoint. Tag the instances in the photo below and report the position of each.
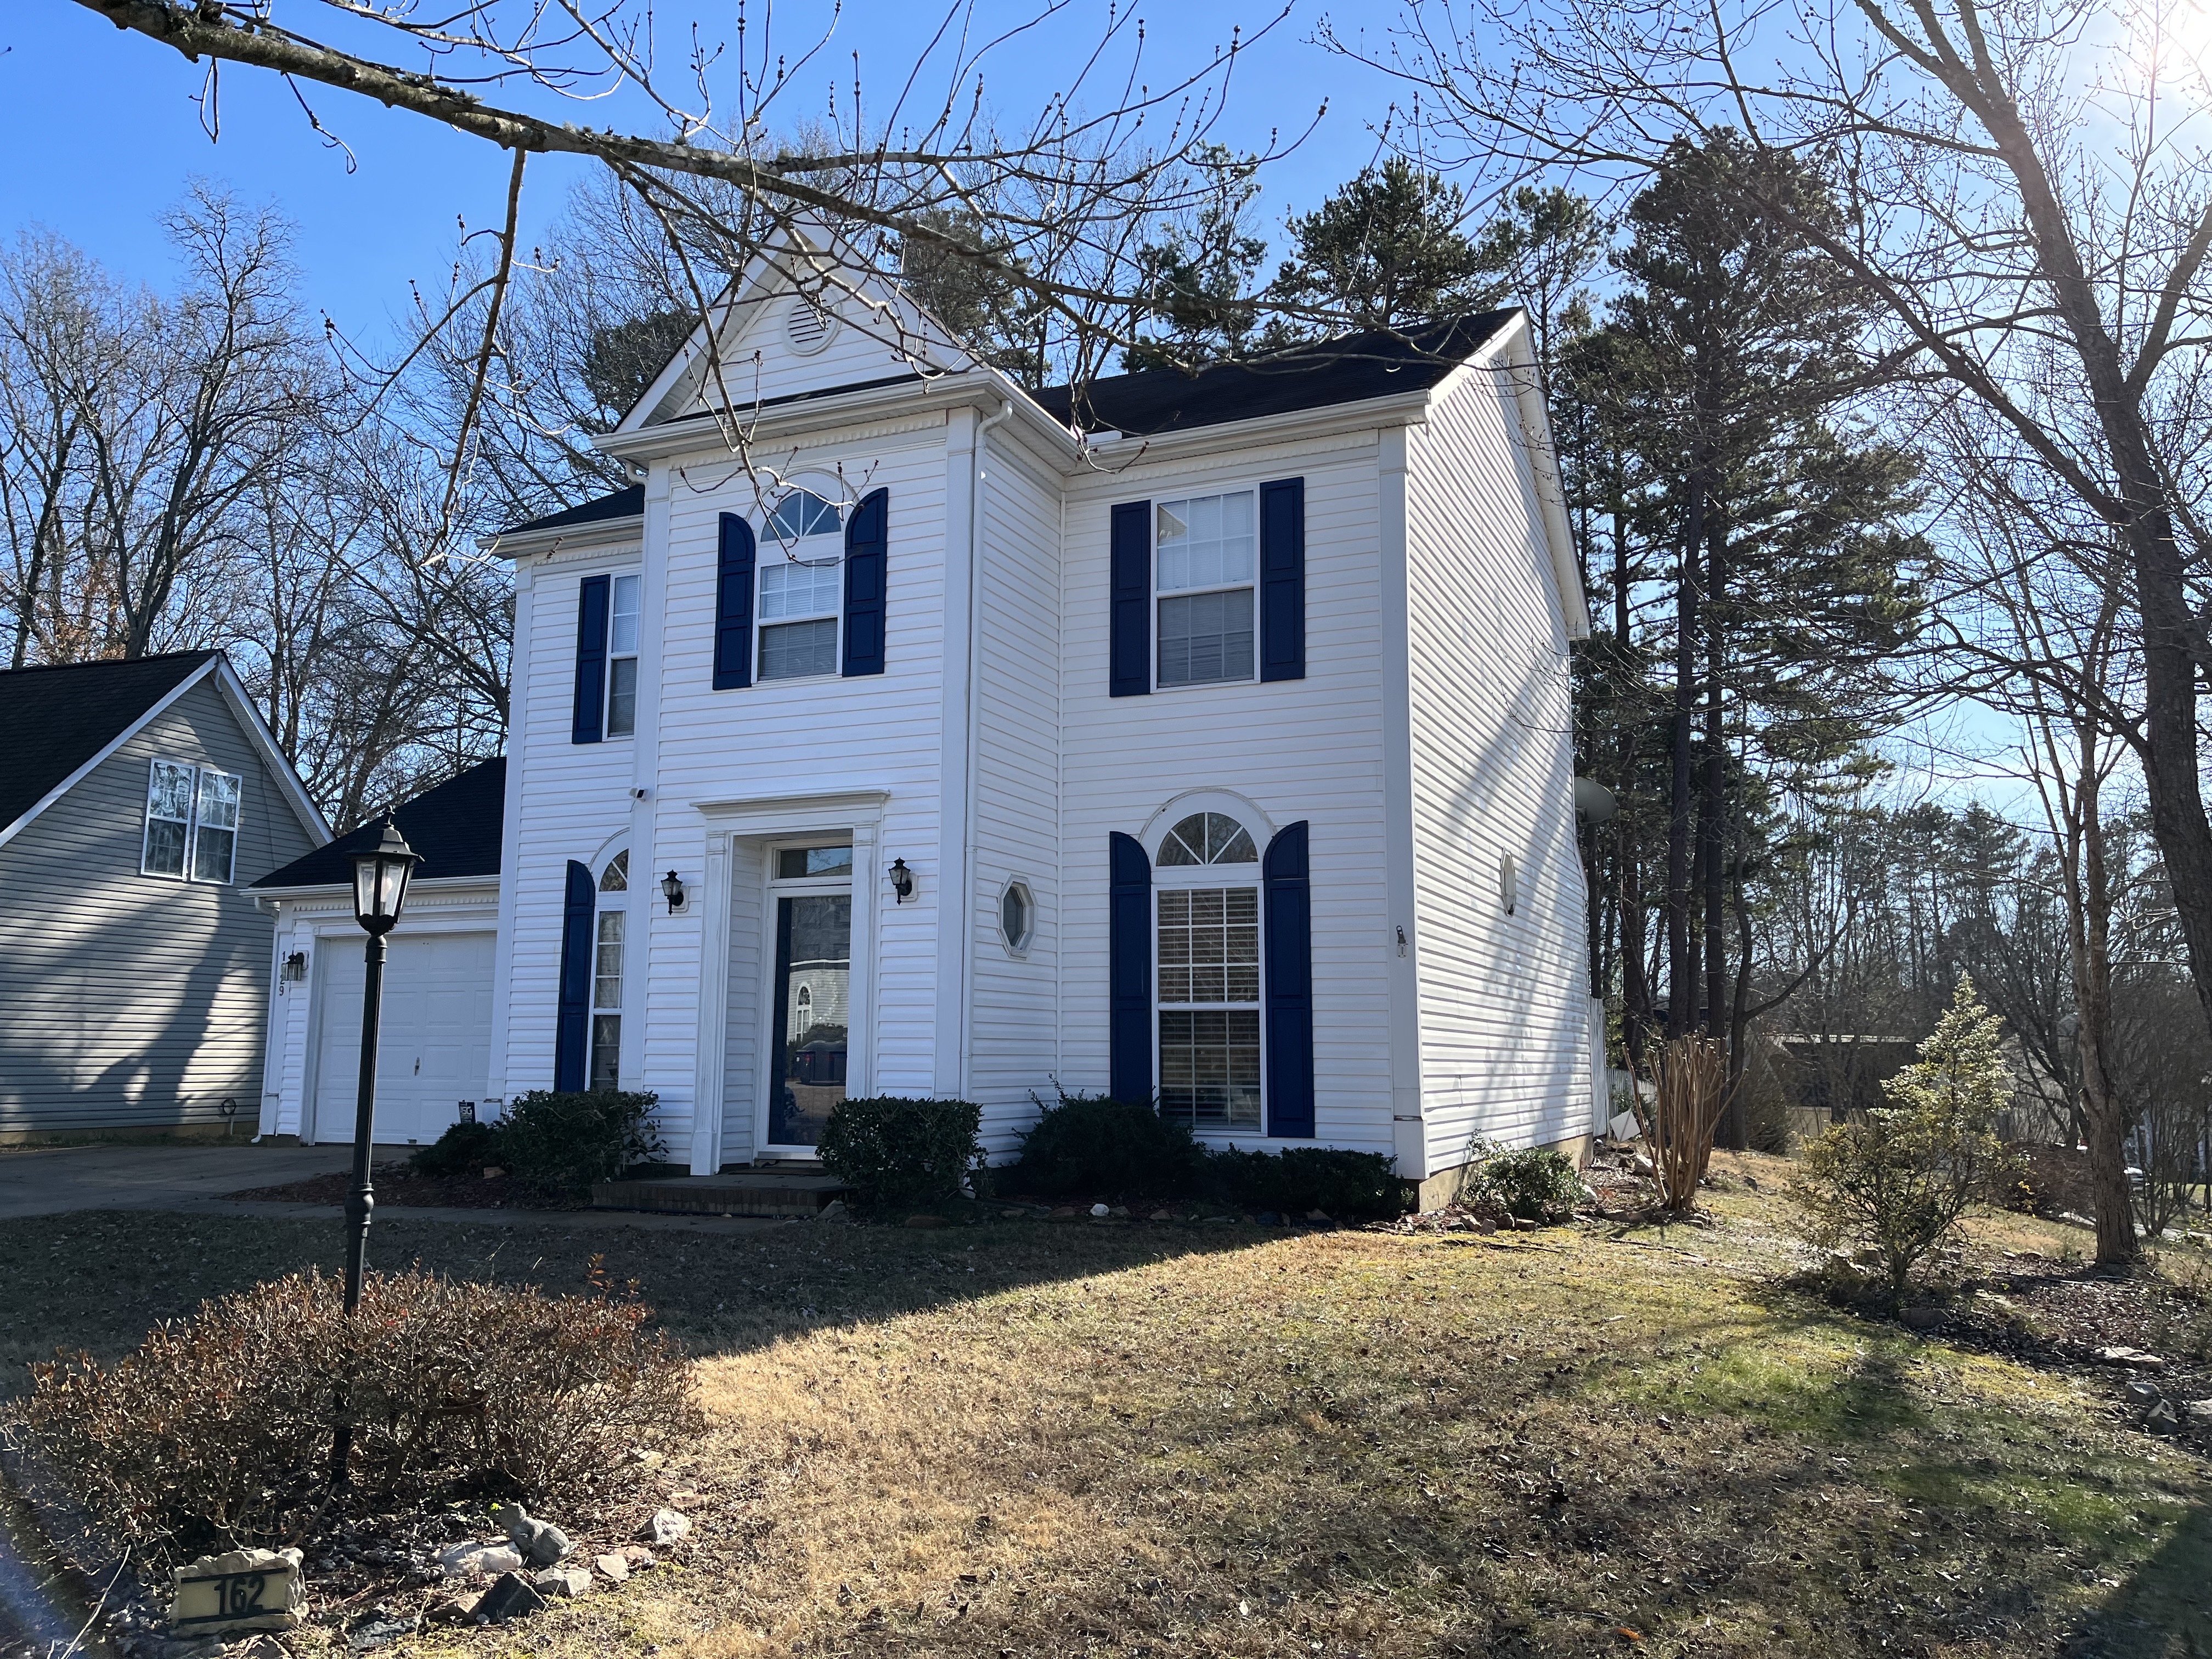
(557, 1144)
(1344, 1186)
(890, 1150)
(1090, 1144)
(463, 1149)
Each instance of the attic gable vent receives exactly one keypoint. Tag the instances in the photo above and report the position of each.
(806, 325)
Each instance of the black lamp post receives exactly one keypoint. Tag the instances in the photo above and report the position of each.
(379, 888)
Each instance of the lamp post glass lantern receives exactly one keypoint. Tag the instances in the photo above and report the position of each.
(380, 889)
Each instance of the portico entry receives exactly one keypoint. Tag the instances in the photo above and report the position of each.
(786, 973)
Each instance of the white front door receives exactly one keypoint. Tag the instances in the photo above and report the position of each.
(435, 1047)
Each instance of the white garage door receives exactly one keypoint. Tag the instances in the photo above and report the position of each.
(435, 1048)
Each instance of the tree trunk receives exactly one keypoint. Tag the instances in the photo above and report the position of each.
(1681, 948)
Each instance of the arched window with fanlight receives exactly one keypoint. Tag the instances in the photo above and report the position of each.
(608, 943)
(1206, 929)
(802, 593)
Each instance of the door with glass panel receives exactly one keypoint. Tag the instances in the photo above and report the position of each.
(811, 911)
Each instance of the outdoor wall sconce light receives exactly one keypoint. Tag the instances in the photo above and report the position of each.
(672, 886)
(1508, 884)
(902, 880)
(295, 967)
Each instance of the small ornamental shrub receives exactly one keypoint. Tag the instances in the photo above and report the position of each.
(1534, 1183)
(893, 1151)
(555, 1143)
(1091, 1145)
(1344, 1186)
(464, 1150)
(217, 1432)
(1898, 1183)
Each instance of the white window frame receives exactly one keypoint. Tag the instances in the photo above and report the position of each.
(1250, 584)
(194, 774)
(1028, 891)
(609, 903)
(1185, 877)
(805, 551)
(615, 654)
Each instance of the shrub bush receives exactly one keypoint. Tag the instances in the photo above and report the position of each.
(1091, 1144)
(1898, 1183)
(1344, 1186)
(217, 1432)
(556, 1145)
(463, 1149)
(893, 1151)
(1533, 1183)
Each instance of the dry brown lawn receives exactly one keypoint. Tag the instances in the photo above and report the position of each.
(1023, 1438)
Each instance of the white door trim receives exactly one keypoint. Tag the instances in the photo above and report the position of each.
(858, 813)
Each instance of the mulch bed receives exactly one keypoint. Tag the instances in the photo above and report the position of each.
(396, 1184)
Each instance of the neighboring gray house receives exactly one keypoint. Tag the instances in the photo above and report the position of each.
(138, 802)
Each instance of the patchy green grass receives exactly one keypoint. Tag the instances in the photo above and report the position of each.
(1028, 1438)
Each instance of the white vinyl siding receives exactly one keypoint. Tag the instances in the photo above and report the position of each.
(1308, 749)
(1505, 1050)
(103, 1031)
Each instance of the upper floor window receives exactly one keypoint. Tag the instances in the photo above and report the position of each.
(622, 657)
(191, 823)
(1203, 558)
(802, 593)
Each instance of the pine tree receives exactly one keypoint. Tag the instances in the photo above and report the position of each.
(1386, 251)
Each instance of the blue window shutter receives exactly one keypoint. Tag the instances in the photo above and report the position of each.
(1288, 903)
(591, 659)
(1131, 651)
(573, 1024)
(733, 605)
(1129, 970)
(866, 553)
(1283, 579)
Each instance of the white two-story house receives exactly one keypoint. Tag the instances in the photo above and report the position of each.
(1207, 743)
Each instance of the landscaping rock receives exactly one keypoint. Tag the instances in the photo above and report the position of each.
(2143, 1392)
(614, 1568)
(1100, 1212)
(1320, 1217)
(925, 1221)
(665, 1528)
(638, 1556)
(1522, 1223)
(1268, 1218)
(651, 1459)
(563, 1582)
(474, 1559)
(191, 1647)
(511, 1596)
(263, 1646)
(2162, 1418)
(2136, 1356)
(447, 1610)
(835, 1210)
(376, 1628)
(493, 1172)
(1921, 1319)
(541, 1543)
(1164, 1215)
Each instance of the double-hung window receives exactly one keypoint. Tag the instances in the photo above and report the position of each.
(1208, 931)
(1203, 555)
(191, 823)
(622, 657)
(802, 588)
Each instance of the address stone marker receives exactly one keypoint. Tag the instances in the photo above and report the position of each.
(243, 1590)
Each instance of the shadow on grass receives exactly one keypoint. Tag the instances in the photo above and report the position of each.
(2160, 1611)
(100, 1280)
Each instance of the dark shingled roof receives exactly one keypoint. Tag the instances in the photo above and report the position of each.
(454, 826)
(52, 721)
(1349, 370)
(626, 503)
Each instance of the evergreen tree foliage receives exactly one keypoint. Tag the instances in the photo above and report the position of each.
(1386, 251)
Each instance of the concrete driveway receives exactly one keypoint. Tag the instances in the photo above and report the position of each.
(50, 1180)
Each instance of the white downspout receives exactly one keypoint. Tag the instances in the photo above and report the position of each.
(975, 721)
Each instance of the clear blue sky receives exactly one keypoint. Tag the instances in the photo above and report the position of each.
(102, 132)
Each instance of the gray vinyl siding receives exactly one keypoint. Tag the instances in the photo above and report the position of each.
(129, 1000)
